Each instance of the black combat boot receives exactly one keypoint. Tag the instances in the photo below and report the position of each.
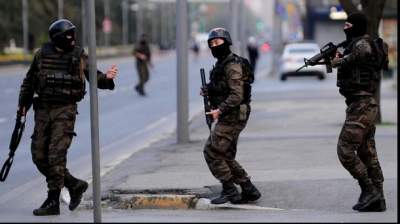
(369, 194)
(229, 193)
(376, 206)
(249, 193)
(140, 90)
(76, 188)
(51, 206)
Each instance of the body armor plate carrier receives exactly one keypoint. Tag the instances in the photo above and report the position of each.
(59, 76)
(219, 90)
(353, 78)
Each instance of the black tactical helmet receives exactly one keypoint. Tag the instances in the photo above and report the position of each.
(59, 28)
(219, 33)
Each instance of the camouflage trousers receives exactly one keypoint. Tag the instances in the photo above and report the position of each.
(143, 72)
(52, 136)
(356, 144)
(220, 151)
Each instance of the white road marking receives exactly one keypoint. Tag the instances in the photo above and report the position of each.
(3, 119)
(10, 90)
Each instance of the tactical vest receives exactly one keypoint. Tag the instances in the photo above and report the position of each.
(353, 78)
(59, 76)
(218, 87)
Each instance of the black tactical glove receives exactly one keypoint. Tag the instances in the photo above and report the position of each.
(204, 89)
(25, 101)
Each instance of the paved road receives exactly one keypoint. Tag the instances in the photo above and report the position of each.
(288, 149)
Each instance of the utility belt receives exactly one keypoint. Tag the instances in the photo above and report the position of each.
(355, 98)
(38, 103)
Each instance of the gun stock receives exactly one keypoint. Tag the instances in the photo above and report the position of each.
(207, 108)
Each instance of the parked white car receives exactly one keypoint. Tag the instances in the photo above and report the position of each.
(292, 58)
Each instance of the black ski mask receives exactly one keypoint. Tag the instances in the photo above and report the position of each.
(359, 28)
(143, 39)
(64, 43)
(221, 50)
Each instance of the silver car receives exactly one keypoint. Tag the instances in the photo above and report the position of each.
(293, 58)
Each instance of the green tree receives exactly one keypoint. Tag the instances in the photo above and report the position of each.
(42, 13)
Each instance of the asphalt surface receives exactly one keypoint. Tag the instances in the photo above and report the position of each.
(288, 148)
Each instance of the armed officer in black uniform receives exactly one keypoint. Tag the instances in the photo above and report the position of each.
(57, 77)
(231, 106)
(357, 78)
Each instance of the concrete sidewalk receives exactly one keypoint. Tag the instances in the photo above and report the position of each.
(288, 148)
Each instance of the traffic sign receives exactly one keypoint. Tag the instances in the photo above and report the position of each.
(107, 26)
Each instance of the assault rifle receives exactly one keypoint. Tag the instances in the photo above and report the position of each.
(207, 108)
(15, 139)
(327, 53)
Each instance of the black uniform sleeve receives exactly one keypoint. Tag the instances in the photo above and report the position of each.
(27, 88)
(102, 81)
(236, 87)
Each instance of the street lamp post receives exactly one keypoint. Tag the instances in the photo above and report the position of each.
(124, 22)
(106, 17)
(139, 20)
(242, 36)
(234, 21)
(25, 27)
(182, 67)
(60, 9)
(84, 19)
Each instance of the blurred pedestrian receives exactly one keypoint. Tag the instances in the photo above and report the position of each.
(230, 103)
(57, 75)
(252, 50)
(357, 79)
(196, 50)
(142, 54)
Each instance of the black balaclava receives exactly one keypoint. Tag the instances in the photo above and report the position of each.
(359, 28)
(64, 43)
(143, 39)
(221, 50)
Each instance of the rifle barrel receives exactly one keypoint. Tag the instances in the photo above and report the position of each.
(300, 68)
(209, 118)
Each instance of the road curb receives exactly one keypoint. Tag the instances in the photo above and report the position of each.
(205, 204)
(153, 201)
(174, 202)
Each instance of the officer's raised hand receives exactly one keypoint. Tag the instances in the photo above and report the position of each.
(112, 72)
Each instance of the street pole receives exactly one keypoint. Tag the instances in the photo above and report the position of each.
(94, 113)
(139, 30)
(106, 16)
(234, 25)
(84, 22)
(60, 9)
(25, 27)
(154, 10)
(182, 69)
(242, 29)
(162, 22)
(124, 22)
